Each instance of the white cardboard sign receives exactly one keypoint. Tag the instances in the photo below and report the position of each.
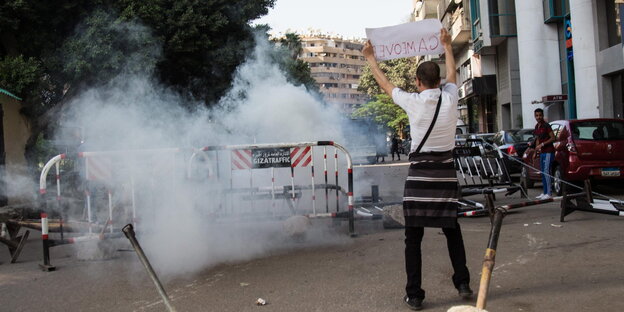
(405, 40)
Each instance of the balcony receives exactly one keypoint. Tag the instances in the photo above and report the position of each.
(426, 9)
(460, 29)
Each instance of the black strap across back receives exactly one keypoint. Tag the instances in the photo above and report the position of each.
(435, 117)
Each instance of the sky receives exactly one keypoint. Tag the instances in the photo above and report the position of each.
(346, 18)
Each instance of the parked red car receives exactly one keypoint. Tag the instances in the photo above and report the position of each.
(584, 149)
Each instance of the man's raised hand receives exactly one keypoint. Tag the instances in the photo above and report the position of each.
(368, 50)
(445, 37)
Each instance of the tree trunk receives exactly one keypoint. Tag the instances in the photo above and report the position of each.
(9, 43)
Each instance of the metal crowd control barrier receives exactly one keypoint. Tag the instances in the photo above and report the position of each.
(98, 172)
(106, 173)
(250, 157)
(15, 243)
(481, 171)
(583, 202)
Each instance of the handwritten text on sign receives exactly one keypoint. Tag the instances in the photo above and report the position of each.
(405, 40)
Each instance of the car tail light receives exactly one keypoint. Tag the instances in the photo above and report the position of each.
(571, 147)
(512, 151)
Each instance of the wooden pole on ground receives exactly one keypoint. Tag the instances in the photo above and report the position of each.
(490, 256)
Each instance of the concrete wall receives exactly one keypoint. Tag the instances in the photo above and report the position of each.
(610, 61)
(609, 64)
(16, 133)
(509, 87)
(585, 49)
(538, 57)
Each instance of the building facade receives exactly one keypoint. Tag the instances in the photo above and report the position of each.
(476, 77)
(494, 42)
(336, 65)
(14, 133)
(565, 56)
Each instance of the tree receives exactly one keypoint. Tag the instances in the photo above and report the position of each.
(298, 71)
(384, 112)
(203, 41)
(19, 74)
(402, 73)
(292, 42)
(50, 50)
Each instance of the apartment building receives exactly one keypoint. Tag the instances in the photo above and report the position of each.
(494, 42)
(336, 65)
(564, 56)
(476, 79)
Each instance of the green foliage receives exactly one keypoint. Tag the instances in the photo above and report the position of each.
(53, 49)
(17, 74)
(383, 112)
(43, 151)
(297, 71)
(292, 42)
(401, 72)
(104, 46)
(83, 42)
(203, 41)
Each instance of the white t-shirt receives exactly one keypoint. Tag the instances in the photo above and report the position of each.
(420, 108)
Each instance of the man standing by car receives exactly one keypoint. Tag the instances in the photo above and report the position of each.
(430, 195)
(544, 138)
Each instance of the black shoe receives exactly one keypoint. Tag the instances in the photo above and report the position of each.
(413, 303)
(464, 291)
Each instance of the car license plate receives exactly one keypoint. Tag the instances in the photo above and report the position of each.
(610, 172)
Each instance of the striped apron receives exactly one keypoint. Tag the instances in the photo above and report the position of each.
(431, 189)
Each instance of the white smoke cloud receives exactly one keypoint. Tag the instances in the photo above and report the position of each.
(272, 109)
(186, 225)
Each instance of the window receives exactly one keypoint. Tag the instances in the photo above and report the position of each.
(613, 23)
(555, 129)
(598, 130)
(498, 139)
(553, 10)
(502, 18)
(475, 17)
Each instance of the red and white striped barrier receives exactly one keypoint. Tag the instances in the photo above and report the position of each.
(295, 156)
(301, 157)
(241, 159)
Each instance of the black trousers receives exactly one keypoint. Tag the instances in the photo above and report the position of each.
(395, 151)
(413, 259)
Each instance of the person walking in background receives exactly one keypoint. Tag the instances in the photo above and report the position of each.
(381, 147)
(544, 138)
(394, 148)
(431, 188)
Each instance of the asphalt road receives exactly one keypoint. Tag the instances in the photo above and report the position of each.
(541, 265)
